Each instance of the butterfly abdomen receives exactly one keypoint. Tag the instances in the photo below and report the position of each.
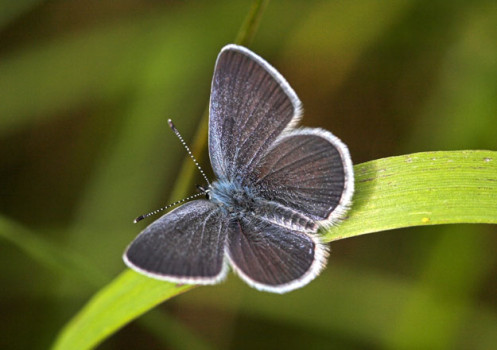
(281, 215)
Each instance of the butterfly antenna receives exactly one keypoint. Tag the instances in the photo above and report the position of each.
(173, 128)
(141, 217)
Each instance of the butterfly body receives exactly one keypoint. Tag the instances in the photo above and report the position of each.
(276, 185)
(233, 198)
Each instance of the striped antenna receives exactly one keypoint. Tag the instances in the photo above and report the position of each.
(141, 217)
(173, 128)
(203, 191)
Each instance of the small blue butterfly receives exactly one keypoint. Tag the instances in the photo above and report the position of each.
(276, 185)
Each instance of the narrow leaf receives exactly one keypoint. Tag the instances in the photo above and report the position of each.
(124, 299)
(418, 189)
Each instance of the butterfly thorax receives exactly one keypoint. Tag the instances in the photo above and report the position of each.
(233, 198)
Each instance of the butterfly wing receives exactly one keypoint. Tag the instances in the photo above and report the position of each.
(306, 173)
(309, 171)
(185, 245)
(271, 258)
(250, 105)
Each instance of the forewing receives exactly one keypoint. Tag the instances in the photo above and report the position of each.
(250, 105)
(310, 171)
(185, 245)
(272, 258)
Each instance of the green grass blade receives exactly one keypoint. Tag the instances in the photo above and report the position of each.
(123, 300)
(80, 270)
(427, 188)
(418, 189)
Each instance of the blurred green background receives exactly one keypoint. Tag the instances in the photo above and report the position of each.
(86, 88)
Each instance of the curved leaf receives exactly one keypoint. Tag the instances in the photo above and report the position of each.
(428, 188)
(128, 296)
(418, 189)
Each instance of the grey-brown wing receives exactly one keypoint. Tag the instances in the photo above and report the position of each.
(250, 105)
(310, 171)
(185, 245)
(272, 258)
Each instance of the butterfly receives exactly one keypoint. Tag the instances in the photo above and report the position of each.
(276, 185)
